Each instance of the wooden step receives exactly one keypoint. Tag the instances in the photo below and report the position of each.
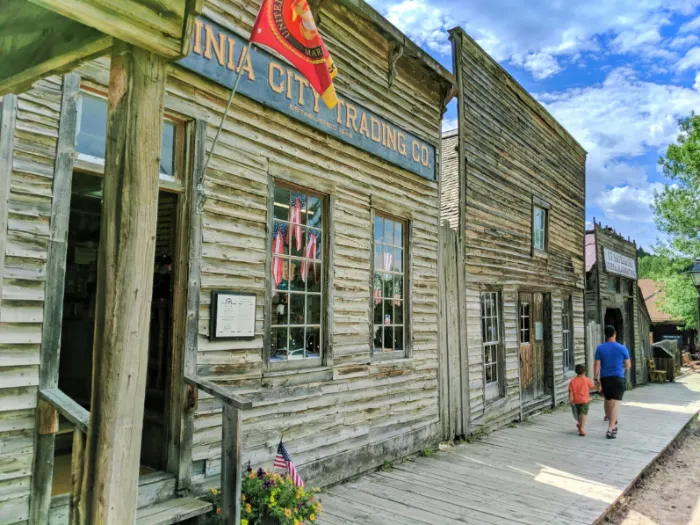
(172, 511)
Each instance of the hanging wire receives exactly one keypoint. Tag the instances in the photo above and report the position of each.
(200, 181)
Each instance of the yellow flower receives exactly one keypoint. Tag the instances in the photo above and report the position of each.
(312, 517)
(213, 491)
(242, 497)
(287, 513)
(248, 508)
(296, 522)
(244, 521)
(251, 475)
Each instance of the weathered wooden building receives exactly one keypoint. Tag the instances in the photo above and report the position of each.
(664, 326)
(513, 191)
(292, 286)
(612, 295)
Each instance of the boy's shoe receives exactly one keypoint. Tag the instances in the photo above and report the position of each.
(614, 430)
(610, 435)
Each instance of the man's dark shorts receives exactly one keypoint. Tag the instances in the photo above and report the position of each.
(613, 387)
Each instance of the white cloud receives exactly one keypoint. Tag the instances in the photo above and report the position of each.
(541, 65)
(696, 86)
(689, 27)
(681, 42)
(690, 60)
(621, 120)
(629, 203)
(550, 34)
(449, 124)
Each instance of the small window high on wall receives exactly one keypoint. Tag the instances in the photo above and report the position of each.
(388, 286)
(92, 136)
(297, 280)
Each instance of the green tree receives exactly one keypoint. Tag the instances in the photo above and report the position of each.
(677, 207)
(677, 214)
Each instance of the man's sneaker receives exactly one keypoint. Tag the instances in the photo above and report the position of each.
(610, 435)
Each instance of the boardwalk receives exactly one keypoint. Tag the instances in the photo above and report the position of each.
(540, 472)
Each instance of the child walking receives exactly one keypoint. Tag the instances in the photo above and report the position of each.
(580, 396)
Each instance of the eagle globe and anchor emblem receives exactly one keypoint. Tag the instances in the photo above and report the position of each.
(294, 27)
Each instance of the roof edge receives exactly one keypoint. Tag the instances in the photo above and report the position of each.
(450, 133)
(362, 8)
(533, 103)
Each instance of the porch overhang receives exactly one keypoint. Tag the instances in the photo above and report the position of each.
(44, 37)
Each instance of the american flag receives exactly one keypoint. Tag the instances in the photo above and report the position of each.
(278, 262)
(310, 253)
(387, 259)
(295, 221)
(283, 461)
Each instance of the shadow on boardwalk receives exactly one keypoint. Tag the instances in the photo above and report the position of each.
(540, 472)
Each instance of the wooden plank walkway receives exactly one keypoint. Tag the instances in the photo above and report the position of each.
(540, 472)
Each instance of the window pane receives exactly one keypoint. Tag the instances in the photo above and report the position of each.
(313, 283)
(378, 261)
(315, 217)
(398, 312)
(296, 343)
(312, 248)
(92, 128)
(388, 285)
(378, 312)
(281, 203)
(388, 339)
(398, 234)
(388, 310)
(489, 376)
(378, 332)
(313, 342)
(388, 231)
(279, 308)
(279, 238)
(278, 344)
(398, 339)
(387, 258)
(313, 309)
(298, 284)
(167, 150)
(296, 240)
(397, 265)
(296, 308)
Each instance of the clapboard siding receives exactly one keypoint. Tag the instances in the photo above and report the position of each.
(23, 280)
(514, 152)
(599, 297)
(449, 188)
(358, 409)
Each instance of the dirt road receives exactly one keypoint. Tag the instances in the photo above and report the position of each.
(669, 494)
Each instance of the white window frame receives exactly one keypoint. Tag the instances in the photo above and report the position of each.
(491, 342)
(539, 229)
(567, 333)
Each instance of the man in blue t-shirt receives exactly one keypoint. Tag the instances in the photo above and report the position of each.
(611, 361)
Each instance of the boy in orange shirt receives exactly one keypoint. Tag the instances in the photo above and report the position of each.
(579, 396)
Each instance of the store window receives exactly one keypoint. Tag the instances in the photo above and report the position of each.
(296, 327)
(567, 334)
(524, 316)
(388, 286)
(614, 284)
(491, 340)
(539, 229)
(92, 135)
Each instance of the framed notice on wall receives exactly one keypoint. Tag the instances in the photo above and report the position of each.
(232, 315)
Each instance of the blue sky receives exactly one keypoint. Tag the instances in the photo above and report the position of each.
(616, 73)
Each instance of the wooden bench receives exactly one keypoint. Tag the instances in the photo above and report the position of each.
(656, 376)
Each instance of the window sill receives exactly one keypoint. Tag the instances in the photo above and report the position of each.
(539, 254)
(394, 357)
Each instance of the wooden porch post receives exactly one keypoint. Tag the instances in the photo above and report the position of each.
(124, 285)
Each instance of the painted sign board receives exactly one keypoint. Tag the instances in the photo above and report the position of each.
(232, 315)
(216, 53)
(620, 264)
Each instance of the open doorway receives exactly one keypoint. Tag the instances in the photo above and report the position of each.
(613, 317)
(75, 365)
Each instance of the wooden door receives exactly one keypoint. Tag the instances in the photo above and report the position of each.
(525, 337)
(538, 345)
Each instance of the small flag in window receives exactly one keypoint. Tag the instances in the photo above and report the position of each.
(283, 461)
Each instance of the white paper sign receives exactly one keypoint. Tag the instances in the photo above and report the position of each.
(235, 315)
(620, 264)
(539, 331)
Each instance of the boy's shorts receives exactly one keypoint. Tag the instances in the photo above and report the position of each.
(577, 410)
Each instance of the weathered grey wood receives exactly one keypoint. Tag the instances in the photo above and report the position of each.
(55, 281)
(231, 466)
(193, 298)
(224, 395)
(173, 511)
(537, 473)
(76, 476)
(8, 113)
(124, 285)
(68, 408)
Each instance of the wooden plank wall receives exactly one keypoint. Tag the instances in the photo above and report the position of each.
(516, 151)
(357, 413)
(607, 238)
(29, 210)
(449, 189)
